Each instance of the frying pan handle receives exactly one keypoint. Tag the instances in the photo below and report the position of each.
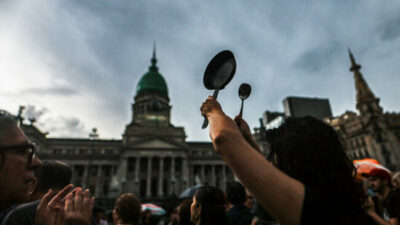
(205, 122)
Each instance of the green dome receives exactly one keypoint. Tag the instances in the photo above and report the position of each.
(152, 81)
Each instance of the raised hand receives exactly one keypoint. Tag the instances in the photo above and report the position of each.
(210, 106)
(78, 209)
(245, 130)
(51, 208)
(243, 127)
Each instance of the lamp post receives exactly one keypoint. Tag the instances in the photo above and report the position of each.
(91, 182)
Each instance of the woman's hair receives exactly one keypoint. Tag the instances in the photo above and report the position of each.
(396, 180)
(212, 202)
(184, 212)
(128, 208)
(310, 151)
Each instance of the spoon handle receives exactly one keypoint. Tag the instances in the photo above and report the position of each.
(241, 109)
(205, 122)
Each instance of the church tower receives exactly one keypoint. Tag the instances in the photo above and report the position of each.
(367, 103)
(371, 133)
(151, 112)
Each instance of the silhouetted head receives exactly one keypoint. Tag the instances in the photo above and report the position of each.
(53, 175)
(127, 209)
(208, 207)
(184, 212)
(310, 151)
(235, 193)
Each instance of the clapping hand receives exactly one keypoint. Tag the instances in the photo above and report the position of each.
(65, 208)
(78, 208)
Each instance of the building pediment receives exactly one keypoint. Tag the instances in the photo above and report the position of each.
(156, 143)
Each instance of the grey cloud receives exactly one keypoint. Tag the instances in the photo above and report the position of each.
(390, 30)
(313, 60)
(62, 91)
(102, 48)
(32, 111)
(65, 126)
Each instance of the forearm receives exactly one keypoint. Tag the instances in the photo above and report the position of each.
(253, 143)
(377, 218)
(280, 194)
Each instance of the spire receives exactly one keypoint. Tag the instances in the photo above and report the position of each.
(354, 65)
(366, 100)
(153, 66)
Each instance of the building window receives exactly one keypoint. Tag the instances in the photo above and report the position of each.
(56, 151)
(109, 151)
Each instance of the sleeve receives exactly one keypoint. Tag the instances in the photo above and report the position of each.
(15, 217)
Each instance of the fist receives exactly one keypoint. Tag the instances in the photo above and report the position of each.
(210, 106)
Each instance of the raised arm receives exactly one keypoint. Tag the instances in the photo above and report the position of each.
(280, 194)
(245, 130)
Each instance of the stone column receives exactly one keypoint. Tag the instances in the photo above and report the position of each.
(85, 185)
(148, 186)
(213, 175)
(137, 175)
(185, 173)
(98, 181)
(161, 177)
(202, 174)
(122, 173)
(191, 175)
(172, 189)
(73, 181)
(223, 177)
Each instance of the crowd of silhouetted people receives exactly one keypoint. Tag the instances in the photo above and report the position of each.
(307, 178)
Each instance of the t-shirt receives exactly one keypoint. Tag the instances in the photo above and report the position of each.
(320, 209)
(22, 215)
(391, 206)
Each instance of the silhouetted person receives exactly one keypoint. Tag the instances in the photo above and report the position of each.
(184, 212)
(17, 162)
(208, 207)
(127, 210)
(388, 199)
(239, 214)
(309, 179)
(53, 175)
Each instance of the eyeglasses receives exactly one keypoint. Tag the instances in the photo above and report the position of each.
(27, 148)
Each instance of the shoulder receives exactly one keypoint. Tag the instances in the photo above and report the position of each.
(320, 208)
(24, 214)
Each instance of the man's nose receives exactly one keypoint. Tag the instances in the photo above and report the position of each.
(36, 163)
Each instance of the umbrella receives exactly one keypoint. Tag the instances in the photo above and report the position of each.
(364, 166)
(155, 209)
(190, 191)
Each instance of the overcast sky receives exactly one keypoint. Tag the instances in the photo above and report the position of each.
(75, 64)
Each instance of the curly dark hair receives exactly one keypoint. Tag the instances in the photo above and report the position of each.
(212, 202)
(310, 151)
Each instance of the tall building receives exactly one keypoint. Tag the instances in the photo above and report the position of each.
(300, 106)
(153, 158)
(371, 133)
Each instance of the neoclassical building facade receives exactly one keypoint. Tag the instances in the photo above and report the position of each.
(153, 158)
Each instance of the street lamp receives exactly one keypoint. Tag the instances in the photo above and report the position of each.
(91, 182)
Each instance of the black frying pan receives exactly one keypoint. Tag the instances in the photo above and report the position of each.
(219, 73)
